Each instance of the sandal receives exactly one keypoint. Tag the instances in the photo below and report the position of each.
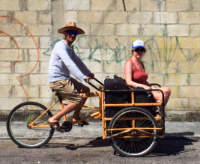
(82, 123)
(56, 126)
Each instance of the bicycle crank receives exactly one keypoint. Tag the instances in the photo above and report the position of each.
(66, 126)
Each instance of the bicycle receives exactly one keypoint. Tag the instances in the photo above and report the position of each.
(133, 131)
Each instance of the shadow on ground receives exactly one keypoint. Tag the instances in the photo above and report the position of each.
(170, 145)
(174, 144)
(97, 142)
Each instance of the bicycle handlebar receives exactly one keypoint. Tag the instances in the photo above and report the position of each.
(155, 84)
(88, 81)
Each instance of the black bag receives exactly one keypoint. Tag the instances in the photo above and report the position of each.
(145, 97)
(115, 83)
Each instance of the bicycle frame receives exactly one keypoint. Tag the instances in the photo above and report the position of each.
(101, 115)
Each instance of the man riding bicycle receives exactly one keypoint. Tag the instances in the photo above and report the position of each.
(64, 61)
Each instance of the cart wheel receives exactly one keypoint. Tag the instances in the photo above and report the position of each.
(132, 132)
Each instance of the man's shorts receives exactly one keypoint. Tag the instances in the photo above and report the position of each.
(69, 89)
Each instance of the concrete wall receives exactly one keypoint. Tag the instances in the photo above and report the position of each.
(170, 28)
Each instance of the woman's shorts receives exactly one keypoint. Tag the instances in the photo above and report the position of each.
(69, 89)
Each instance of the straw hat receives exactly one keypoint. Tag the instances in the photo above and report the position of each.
(71, 26)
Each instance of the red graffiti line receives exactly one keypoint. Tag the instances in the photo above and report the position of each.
(17, 51)
(35, 43)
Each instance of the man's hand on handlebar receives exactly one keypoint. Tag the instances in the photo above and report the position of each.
(89, 76)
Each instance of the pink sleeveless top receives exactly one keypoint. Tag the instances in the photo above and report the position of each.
(139, 76)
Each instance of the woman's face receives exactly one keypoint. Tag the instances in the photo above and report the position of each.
(138, 52)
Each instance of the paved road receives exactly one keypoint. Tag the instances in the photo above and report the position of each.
(170, 150)
(186, 129)
(84, 145)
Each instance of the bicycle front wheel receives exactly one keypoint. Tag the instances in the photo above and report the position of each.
(18, 125)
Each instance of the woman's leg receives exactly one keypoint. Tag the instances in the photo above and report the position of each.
(167, 93)
(158, 95)
(160, 111)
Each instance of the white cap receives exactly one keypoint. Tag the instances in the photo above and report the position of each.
(138, 43)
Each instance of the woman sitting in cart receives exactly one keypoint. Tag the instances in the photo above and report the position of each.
(136, 76)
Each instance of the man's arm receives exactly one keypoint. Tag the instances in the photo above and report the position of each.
(74, 70)
(81, 65)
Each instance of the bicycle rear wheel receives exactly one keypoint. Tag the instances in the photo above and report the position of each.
(19, 130)
(133, 132)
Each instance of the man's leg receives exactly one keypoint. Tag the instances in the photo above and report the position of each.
(78, 109)
(67, 109)
(72, 88)
(80, 105)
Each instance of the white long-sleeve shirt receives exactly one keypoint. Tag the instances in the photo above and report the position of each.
(64, 61)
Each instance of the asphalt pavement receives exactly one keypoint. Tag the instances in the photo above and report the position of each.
(94, 130)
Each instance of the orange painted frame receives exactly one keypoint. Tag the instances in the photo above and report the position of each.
(100, 114)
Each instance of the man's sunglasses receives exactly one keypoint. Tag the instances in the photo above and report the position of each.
(72, 32)
(140, 49)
